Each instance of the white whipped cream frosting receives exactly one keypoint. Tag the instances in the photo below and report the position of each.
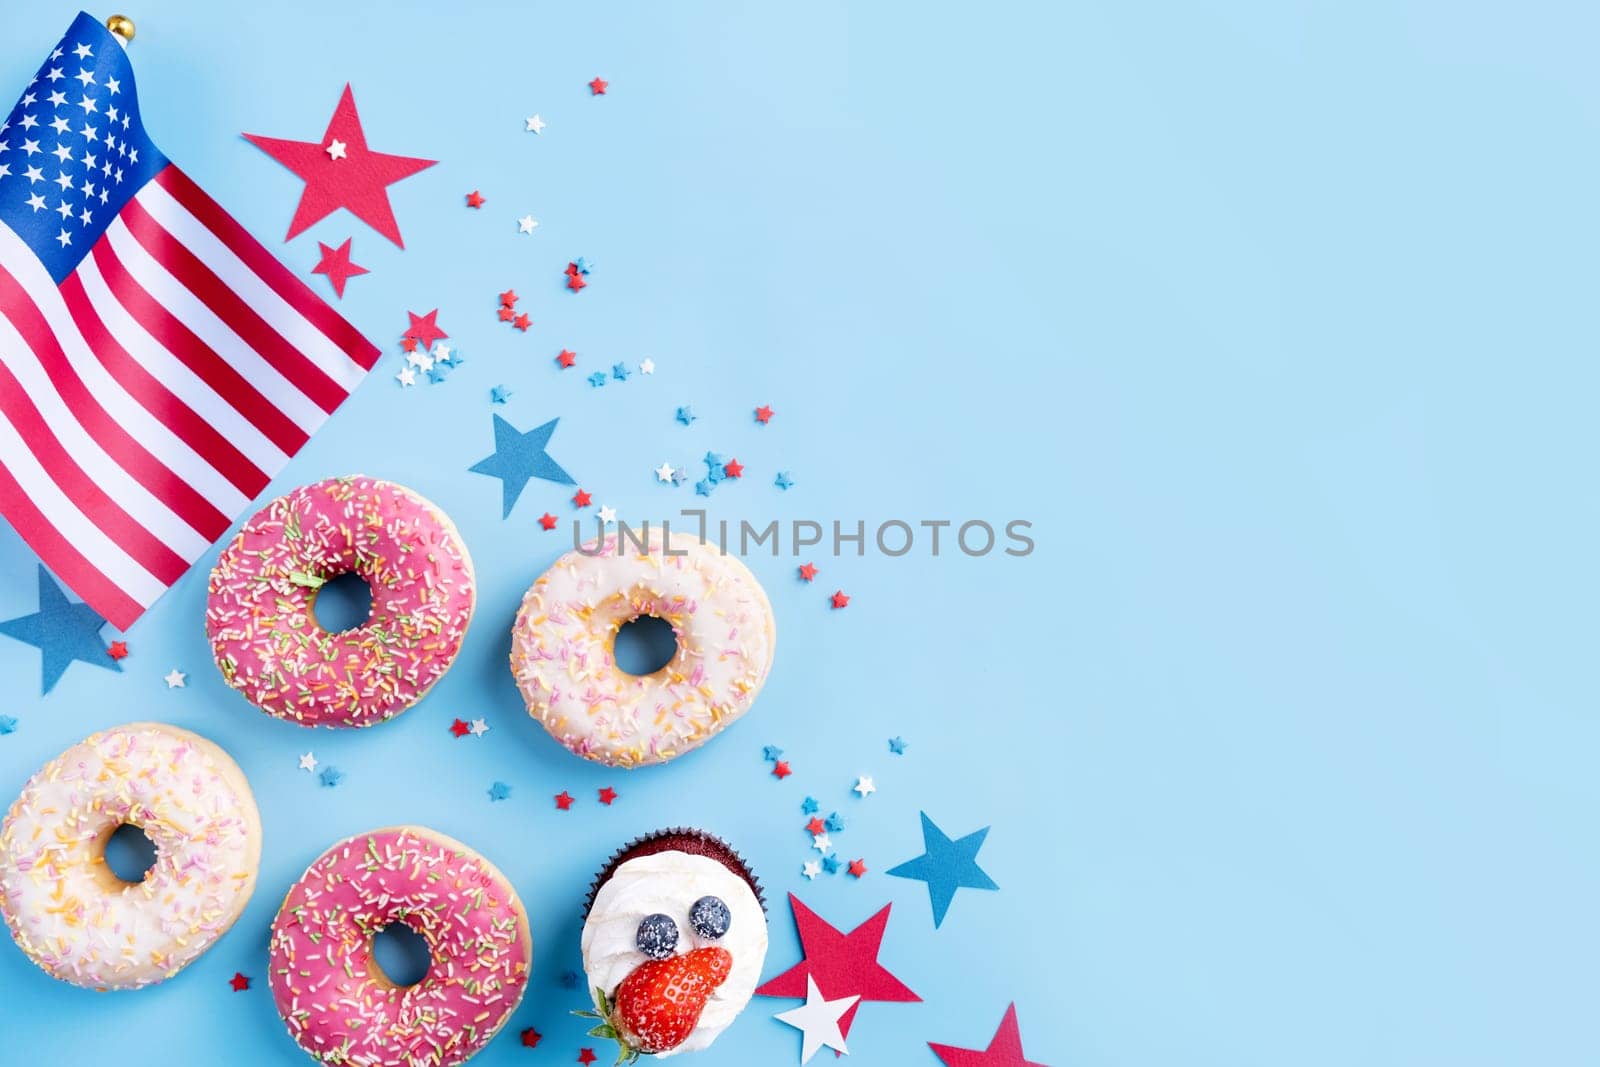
(669, 883)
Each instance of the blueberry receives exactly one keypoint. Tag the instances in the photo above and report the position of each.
(657, 936)
(710, 917)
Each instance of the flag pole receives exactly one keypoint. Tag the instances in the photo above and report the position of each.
(121, 26)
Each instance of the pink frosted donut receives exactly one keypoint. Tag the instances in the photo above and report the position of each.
(266, 639)
(561, 647)
(337, 1003)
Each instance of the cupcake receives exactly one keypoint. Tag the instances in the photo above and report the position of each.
(674, 938)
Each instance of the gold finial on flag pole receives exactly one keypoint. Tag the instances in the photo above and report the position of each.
(122, 26)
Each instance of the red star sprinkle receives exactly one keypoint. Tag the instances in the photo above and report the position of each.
(335, 263)
(358, 182)
(460, 729)
(808, 571)
(575, 282)
(598, 87)
(607, 795)
(582, 498)
(506, 314)
(118, 650)
(530, 1038)
(508, 298)
(572, 268)
(840, 600)
(586, 1056)
(424, 329)
(780, 770)
(474, 199)
(567, 359)
(763, 414)
(548, 521)
(522, 322)
(408, 344)
(239, 982)
(564, 800)
(1005, 1048)
(816, 826)
(733, 468)
(858, 867)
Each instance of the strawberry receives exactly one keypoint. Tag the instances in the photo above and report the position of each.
(658, 1005)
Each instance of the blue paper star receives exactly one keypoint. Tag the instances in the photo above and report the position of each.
(678, 476)
(62, 631)
(703, 487)
(499, 394)
(597, 379)
(331, 776)
(833, 823)
(619, 372)
(583, 265)
(897, 745)
(569, 979)
(518, 457)
(830, 863)
(685, 415)
(8, 725)
(771, 752)
(438, 372)
(946, 866)
(784, 480)
(809, 805)
(499, 791)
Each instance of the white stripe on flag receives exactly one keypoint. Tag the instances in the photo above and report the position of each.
(261, 297)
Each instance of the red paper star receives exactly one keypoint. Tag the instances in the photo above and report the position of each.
(575, 282)
(733, 469)
(607, 795)
(572, 269)
(843, 964)
(1005, 1049)
(424, 329)
(359, 181)
(598, 87)
(522, 322)
(548, 521)
(780, 770)
(586, 1056)
(239, 982)
(564, 800)
(507, 314)
(408, 344)
(582, 498)
(474, 199)
(508, 298)
(567, 359)
(840, 600)
(763, 414)
(530, 1038)
(858, 867)
(808, 571)
(816, 826)
(118, 650)
(335, 263)
(460, 729)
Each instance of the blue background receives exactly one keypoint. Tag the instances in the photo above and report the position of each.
(1275, 319)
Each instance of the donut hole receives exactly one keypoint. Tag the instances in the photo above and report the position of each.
(130, 854)
(342, 603)
(644, 645)
(401, 954)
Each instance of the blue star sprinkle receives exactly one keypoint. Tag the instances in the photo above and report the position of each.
(771, 752)
(809, 805)
(619, 372)
(499, 791)
(946, 866)
(897, 745)
(784, 480)
(518, 457)
(499, 394)
(685, 415)
(834, 823)
(331, 776)
(597, 379)
(62, 631)
(715, 471)
(583, 265)
(678, 476)
(703, 487)
(8, 725)
(569, 979)
(438, 372)
(830, 863)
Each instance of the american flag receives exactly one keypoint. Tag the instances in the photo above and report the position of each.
(157, 365)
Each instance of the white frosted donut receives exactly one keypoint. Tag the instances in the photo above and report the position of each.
(561, 647)
(70, 914)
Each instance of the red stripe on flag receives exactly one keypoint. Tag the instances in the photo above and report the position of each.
(177, 494)
(226, 304)
(98, 591)
(157, 399)
(195, 354)
(266, 267)
(80, 488)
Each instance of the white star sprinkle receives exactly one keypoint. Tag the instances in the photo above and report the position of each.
(864, 786)
(526, 224)
(441, 353)
(336, 149)
(608, 514)
(175, 679)
(664, 472)
(821, 842)
(308, 762)
(536, 124)
(479, 727)
(420, 360)
(647, 366)
(812, 868)
(407, 376)
(818, 1020)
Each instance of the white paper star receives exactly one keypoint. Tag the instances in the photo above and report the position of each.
(647, 366)
(536, 124)
(608, 514)
(818, 1020)
(175, 678)
(441, 353)
(407, 376)
(308, 762)
(864, 786)
(664, 472)
(479, 727)
(812, 868)
(420, 360)
(821, 842)
(336, 149)
(526, 224)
